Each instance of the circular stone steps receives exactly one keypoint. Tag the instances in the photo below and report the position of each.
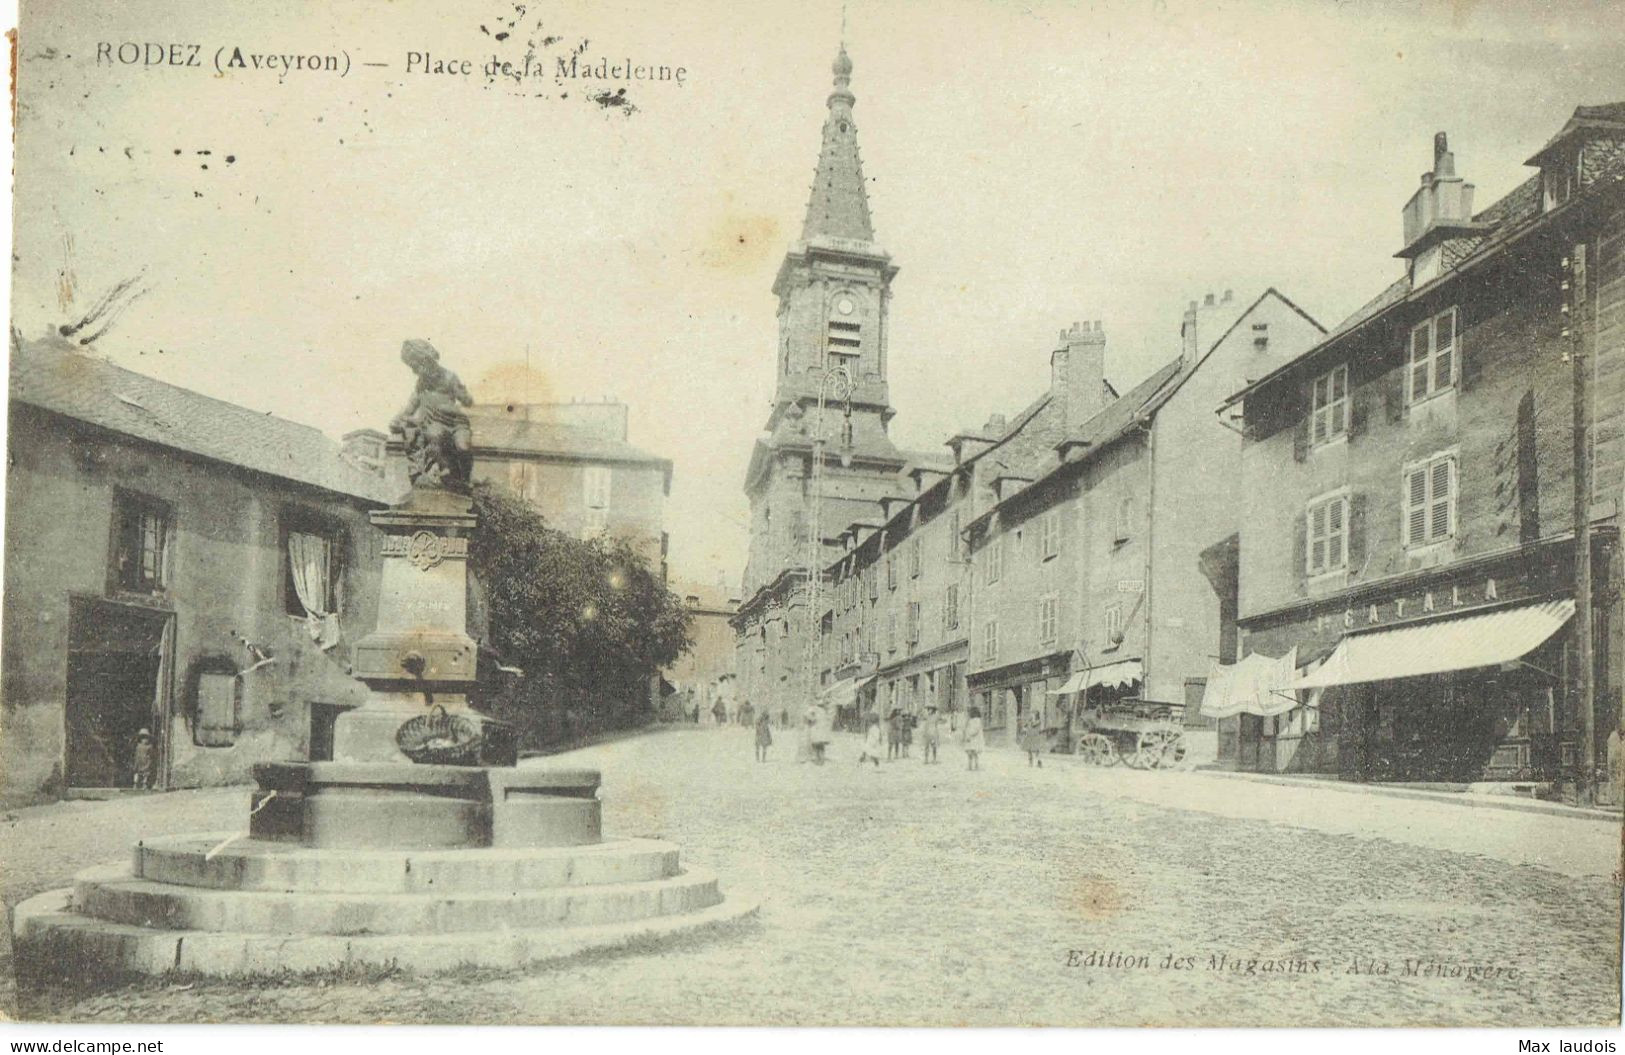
(213, 862)
(189, 903)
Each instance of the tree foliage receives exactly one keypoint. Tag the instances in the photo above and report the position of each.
(588, 622)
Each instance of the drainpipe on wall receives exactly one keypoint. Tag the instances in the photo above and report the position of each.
(1150, 542)
(1585, 687)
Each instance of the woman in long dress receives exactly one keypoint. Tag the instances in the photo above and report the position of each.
(972, 740)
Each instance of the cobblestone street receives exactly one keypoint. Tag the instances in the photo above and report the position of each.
(933, 896)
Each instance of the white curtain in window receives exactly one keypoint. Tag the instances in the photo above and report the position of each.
(310, 558)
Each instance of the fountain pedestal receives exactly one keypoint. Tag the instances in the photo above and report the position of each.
(372, 859)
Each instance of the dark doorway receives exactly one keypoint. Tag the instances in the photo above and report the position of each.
(323, 717)
(118, 670)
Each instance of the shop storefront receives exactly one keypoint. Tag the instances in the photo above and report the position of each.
(1457, 677)
(1008, 695)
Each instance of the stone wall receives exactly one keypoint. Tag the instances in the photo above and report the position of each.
(225, 586)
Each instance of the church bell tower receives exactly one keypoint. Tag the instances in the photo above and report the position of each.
(834, 294)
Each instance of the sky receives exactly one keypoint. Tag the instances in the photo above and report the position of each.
(1029, 165)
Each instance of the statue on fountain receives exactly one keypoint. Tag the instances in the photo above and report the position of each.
(436, 430)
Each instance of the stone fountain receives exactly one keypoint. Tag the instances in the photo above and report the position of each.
(374, 859)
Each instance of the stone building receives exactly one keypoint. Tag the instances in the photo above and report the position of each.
(825, 458)
(1410, 546)
(708, 671)
(1095, 548)
(174, 563)
(571, 461)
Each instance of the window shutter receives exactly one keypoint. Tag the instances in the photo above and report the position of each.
(1444, 345)
(1416, 507)
(1336, 557)
(1468, 367)
(1306, 411)
(1439, 500)
(1300, 549)
(1359, 410)
(1393, 395)
(1357, 530)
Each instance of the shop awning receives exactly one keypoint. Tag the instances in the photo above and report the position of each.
(1438, 648)
(1248, 686)
(843, 693)
(1117, 675)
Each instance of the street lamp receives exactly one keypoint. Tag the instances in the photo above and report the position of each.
(837, 382)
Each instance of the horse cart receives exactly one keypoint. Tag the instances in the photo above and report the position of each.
(1139, 733)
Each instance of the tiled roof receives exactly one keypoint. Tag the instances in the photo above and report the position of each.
(1120, 414)
(535, 437)
(55, 375)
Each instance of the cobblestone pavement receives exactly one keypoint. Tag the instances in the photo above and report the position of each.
(931, 896)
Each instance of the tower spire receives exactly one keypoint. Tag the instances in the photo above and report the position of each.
(839, 207)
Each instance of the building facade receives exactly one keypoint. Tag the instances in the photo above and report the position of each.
(825, 458)
(572, 461)
(177, 564)
(1095, 558)
(1413, 485)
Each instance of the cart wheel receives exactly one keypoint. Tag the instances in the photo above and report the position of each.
(1174, 751)
(1096, 750)
(1148, 747)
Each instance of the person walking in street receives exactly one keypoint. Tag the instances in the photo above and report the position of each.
(871, 740)
(784, 717)
(908, 733)
(821, 735)
(972, 740)
(931, 733)
(719, 711)
(1035, 739)
(764, 735)
(894, 734)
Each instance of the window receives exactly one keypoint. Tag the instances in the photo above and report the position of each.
(956, 544)
(1047, 608)
(217, 723)
(1328, 548)
(1331, 405)
(950, 607)
(1123, 527)
(993, 560)
(1432, 363)
(873, 579)
(1559, 177)
(1049, 535)
(1430, 501)
(595, 498)
(891, 631)
(891, 571)
(990, 639)
(315, 571)
(913, 622)
(914, 557)
(1114, 626)
(141, 548)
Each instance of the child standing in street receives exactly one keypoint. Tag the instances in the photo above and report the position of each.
(871, 741)
(1035, 739)
(931, 733)
(141, 760)
(764, 735)
(972, 739)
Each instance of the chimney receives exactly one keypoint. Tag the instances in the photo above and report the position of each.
(1078, 372)
(1441, 207)
(1205, 323)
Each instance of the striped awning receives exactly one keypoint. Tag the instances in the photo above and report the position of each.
(1437, 648)
(1118, 675)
